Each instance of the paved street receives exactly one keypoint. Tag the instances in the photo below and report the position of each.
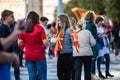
(51, 74)
(51, 71)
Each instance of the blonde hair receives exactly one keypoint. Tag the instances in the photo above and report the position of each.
(89, 16)
(81, 24)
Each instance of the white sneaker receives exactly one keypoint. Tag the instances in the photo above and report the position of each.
(95, 77)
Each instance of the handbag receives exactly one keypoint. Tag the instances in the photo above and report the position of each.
(100, 43)
(98, 46)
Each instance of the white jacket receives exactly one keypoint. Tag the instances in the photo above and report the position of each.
(86, 41)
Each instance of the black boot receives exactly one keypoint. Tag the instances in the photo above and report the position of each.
(101, 75)
(109, 75)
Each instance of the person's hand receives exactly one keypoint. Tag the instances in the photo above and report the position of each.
(15, 63)
(49, 43)
(16, 29)
(100, 35)
(105, 31)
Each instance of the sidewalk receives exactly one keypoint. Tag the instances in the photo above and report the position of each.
(52, 71)
(114, 68)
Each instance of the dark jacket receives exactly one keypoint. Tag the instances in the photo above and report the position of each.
(92, 28)
(115, 33)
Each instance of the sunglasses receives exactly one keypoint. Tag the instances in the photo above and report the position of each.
(12, 16)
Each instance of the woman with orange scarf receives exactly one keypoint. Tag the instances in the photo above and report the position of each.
(64, 47)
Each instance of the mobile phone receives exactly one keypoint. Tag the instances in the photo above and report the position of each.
(22, 24)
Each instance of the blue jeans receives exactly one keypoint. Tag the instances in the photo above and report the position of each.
(17, 71)
(107, 57)
(5, 71)
(35, 67)
(50, 51)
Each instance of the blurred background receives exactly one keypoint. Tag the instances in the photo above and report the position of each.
(50, 8)
(22, 7)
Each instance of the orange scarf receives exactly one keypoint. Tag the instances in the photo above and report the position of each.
(59, 41)
(75, 40)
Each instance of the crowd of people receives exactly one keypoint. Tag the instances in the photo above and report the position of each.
(85, 42)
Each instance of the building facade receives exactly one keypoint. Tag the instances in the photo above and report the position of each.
(17, 6)
(22, 7)
(49, 7)
(34, 5)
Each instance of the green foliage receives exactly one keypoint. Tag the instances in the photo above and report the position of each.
(71, 4)
(109, 7)
(94, 5)
(113, 9)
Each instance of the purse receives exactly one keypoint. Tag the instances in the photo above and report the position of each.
(99, 43)
(98, 46)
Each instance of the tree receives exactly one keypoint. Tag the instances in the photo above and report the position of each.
(112, 9)
(94, 5)
(67, 8)
(107, 7)
(71, 4)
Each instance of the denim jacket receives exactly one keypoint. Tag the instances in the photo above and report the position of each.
(67, 42)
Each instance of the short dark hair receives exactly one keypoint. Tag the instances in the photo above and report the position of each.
(44, 19)
(49, 26)
(54, 24)
(98, 19)
(6, 13)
